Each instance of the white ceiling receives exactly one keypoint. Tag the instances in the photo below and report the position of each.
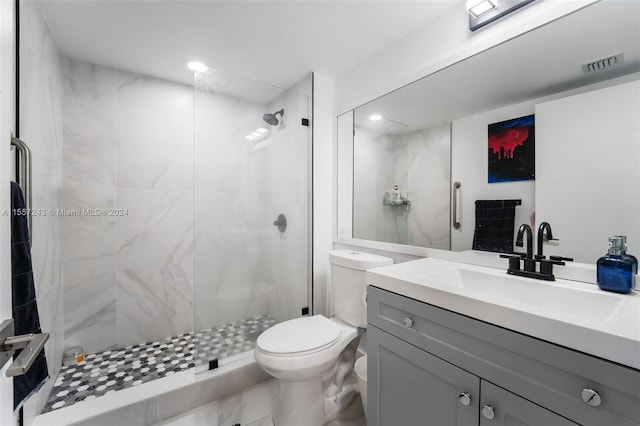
(275, 42)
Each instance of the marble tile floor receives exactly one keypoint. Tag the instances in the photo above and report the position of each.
(113, 370)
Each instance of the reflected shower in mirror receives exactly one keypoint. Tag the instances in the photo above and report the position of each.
(406, 199)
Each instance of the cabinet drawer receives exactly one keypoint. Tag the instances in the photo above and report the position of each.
(547, 374)
(500, 407)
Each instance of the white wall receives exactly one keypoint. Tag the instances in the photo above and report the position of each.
(599, 195)
(323, 183)
(343, 176)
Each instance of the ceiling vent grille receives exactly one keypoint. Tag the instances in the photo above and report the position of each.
(602, 64)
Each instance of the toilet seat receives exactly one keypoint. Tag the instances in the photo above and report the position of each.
(300, 336)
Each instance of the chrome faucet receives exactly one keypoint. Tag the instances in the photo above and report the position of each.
(525, 228)
(544, 227)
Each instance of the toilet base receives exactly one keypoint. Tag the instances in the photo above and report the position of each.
(299, 403)
(319, 400)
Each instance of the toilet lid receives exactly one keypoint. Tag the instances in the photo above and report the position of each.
(299, 335)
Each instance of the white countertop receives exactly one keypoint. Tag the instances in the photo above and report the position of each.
(573, 314)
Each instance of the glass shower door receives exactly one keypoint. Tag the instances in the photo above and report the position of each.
(252, 211)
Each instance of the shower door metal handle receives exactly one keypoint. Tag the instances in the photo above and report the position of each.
(456, 223)
(24, 180)
(31, 345)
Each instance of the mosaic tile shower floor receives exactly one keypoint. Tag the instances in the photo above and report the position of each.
(113, 370)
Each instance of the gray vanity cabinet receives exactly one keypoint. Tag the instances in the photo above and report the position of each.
(430, 366)
(416, 388)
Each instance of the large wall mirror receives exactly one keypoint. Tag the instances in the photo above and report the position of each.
(574, 85)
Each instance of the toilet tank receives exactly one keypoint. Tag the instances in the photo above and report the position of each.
(348, 268)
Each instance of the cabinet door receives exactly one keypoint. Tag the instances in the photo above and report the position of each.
(408, 386)
(503, 408)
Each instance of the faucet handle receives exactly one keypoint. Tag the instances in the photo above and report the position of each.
(514, 261)
(562, 259)
(546, 267)
(551, 261)
(514, 254)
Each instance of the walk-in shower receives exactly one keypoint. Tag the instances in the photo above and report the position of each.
(193, 270)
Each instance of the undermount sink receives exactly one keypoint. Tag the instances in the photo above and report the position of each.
(574, 314)
(541, 296)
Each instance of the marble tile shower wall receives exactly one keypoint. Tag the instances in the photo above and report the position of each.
(243, 265)
(128, 148)
(429, 170)
(40, 113)
(230, 205)
(381, 154)
(419, 162)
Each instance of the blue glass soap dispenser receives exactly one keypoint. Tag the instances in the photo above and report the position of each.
(630, 256)
(616, 271)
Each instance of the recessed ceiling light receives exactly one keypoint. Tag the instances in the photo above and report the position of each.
(196, 66)
(375, 117)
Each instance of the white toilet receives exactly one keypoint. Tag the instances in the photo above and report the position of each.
(313, 357)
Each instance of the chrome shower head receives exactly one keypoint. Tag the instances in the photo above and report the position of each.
(271, 119)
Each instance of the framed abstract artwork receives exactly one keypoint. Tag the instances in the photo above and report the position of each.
(512, 150)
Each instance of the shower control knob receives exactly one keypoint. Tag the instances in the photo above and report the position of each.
(488, 412)
(408, 322)
(591, 397)
(281, 222)
(464, 398)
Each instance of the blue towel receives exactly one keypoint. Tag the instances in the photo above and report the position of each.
(25, 310)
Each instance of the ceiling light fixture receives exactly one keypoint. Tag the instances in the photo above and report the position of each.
(483, 12)
(480, 7)
(375, 117)
(196, 66)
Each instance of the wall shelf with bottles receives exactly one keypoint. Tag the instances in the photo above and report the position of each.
(395, 198)
(401, 202)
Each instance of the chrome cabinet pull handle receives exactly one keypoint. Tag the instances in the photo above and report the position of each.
(488, 412)
(464, 398)
(591, 397)
(408, 322)
(456, 223)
